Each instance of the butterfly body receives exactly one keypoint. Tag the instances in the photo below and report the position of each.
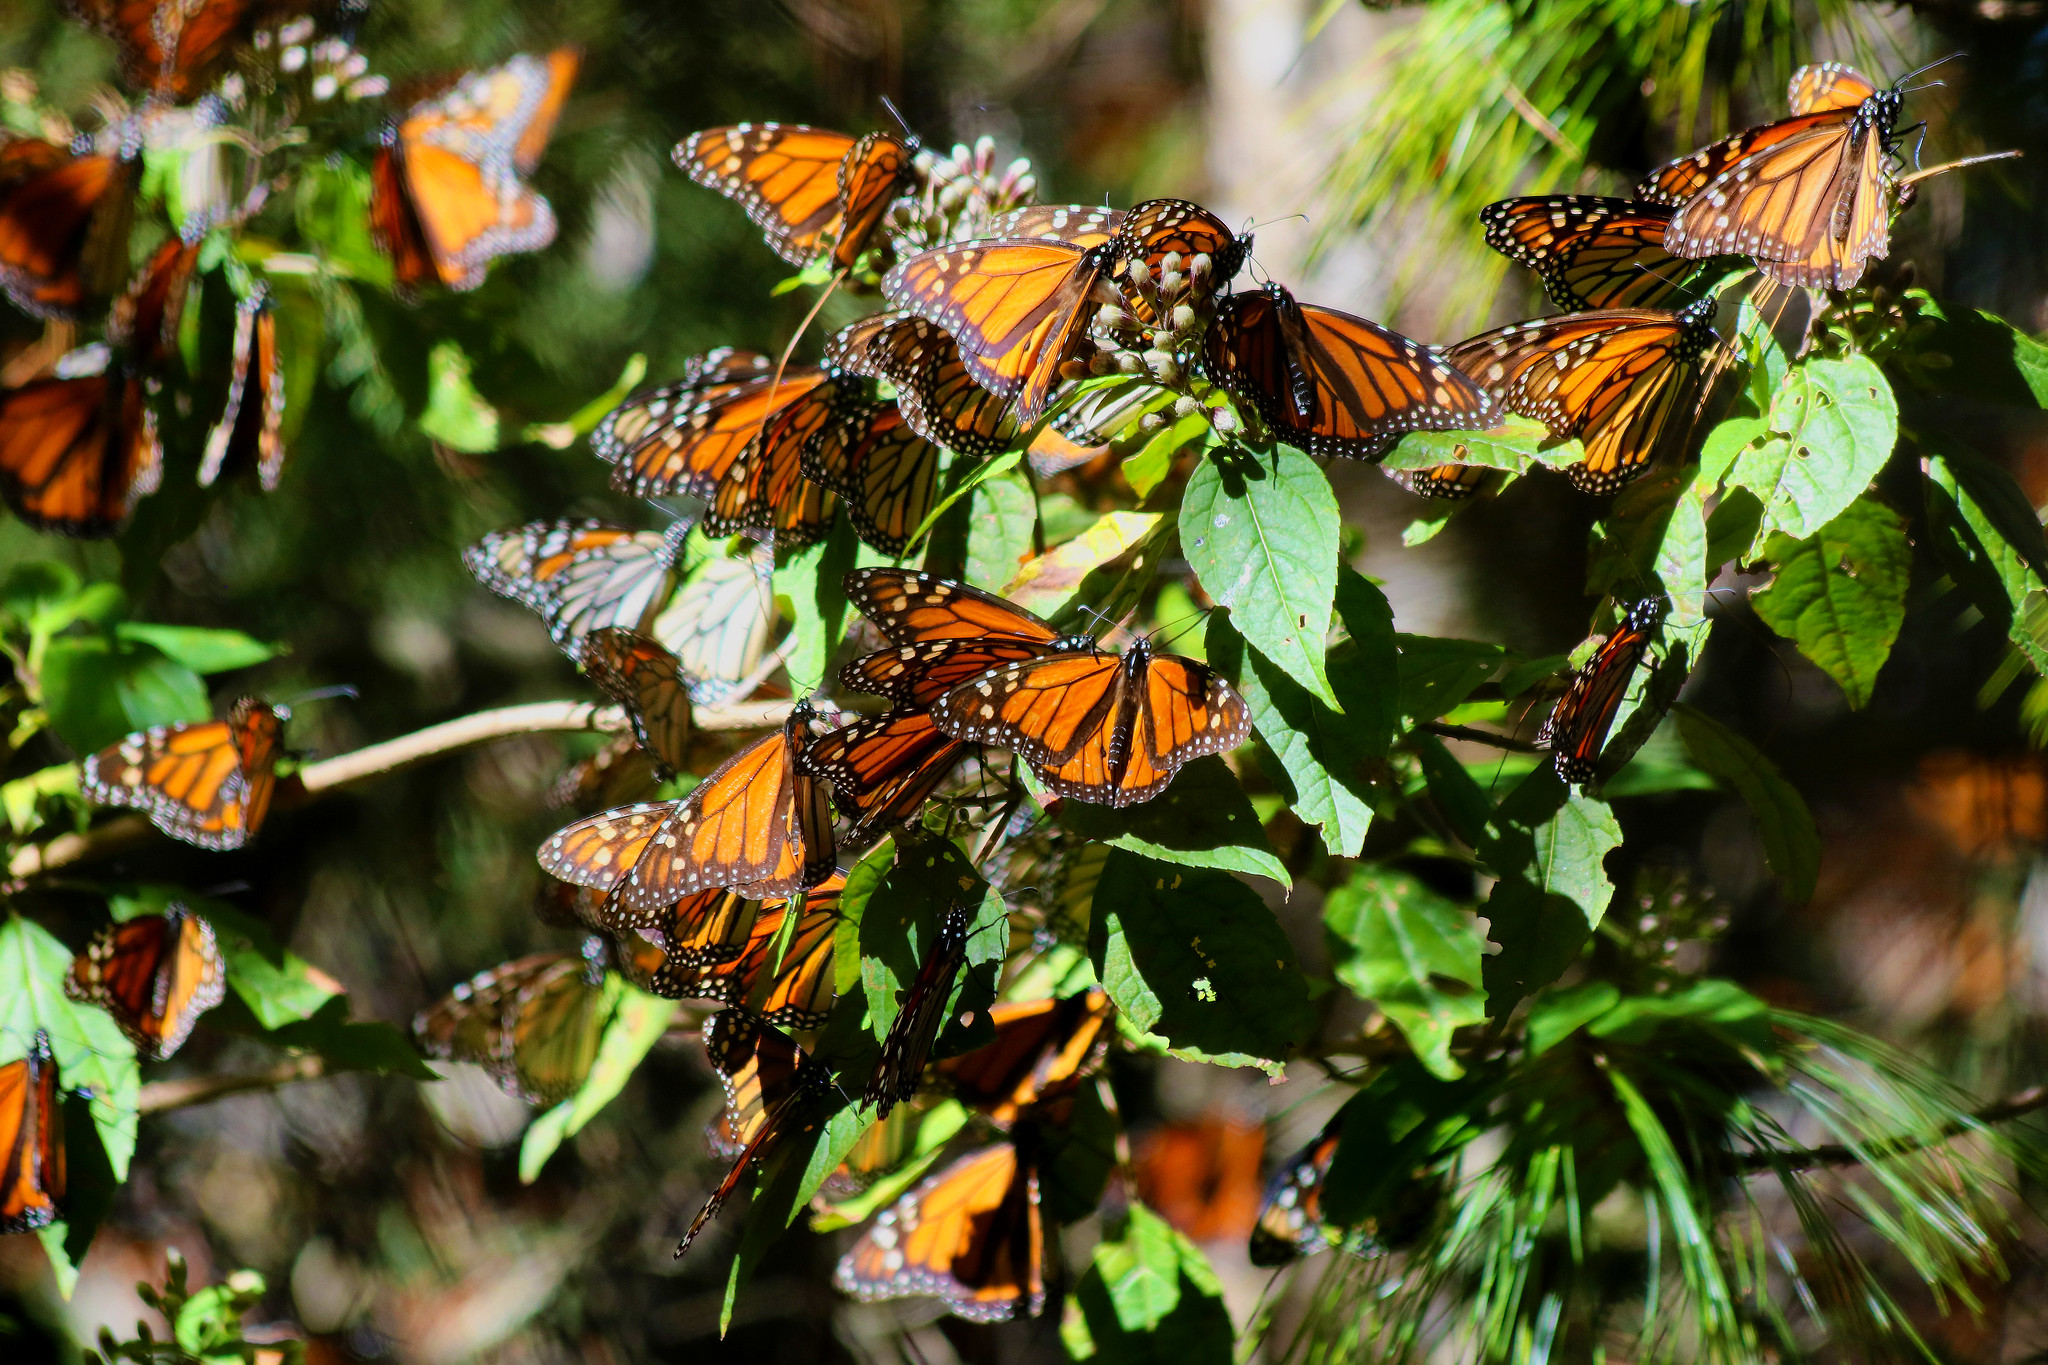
(155, 974)
(32, 1182)
(796, 992)
(921, 1016)
(208, 783)
(784, 1079)
(1578, 726)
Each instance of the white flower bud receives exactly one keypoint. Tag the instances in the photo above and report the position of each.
(1139, 273)
(1163, 366)
(1183, 317)
(1170, 282)
(325, 86)
(1199, 266)
(1114, 318)
(292, 60)
(1170, 262)
(1225, 421)
(1186, 406)
(1152, 421)
(1127, 362)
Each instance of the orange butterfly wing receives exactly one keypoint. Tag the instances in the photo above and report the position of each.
(935, 392)
(145, 317)
(599, 850)
(251, 427)
(918, 675)
(920, 1017)
(1827, 85)
(1588, 251)
(1577, 728)
(640, 675)
(168, 47)
(1041, 1047)
(886, 472)
(970, 1235)
(1290, 1221)
(208, 784)
(31, 1141)
(916, 608)
(884, 768)
(51, 204)
(76, 455)
(765, 488)
(785, 175)
(1679, 180)
(698, 449)
(155, 974)
(870, 177)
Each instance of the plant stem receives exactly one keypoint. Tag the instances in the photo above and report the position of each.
(158, 1096)
(1488, 737)
(392, 755)
(2011, 1107)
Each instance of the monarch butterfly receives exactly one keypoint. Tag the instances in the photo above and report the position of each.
(76, 455)
(1578, 727)
(580, 575)
(883, 769)
(887, 473)
(1809, 197)
(802, 186)
(1080, 224)
(971, 1236)
(764, 487)
(1444, 480)
(921, 1015)
(171, 48)
(656, 415)
(757, 1068)
(758, 824)
(144, 321)
(32, 1139)
(534, 1023)
(445, 193)
(649, 682)
(1614, 379)
(700, 930)
(1097, 727)
(796, 1079)
(208, 784)
(251, 427)
(619, 772)
(1291, 1218)
(935, 392)
(797, 992)
(913, 608)
(155, 974)
(64, 224)
(1588, 251)
(1827, 85)
(1332, 383)
(1041, 1048)
(1202, 1176)
(692, 448)
(718, 622)
(1159, 229)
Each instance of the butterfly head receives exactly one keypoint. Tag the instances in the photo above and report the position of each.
(1644, 615)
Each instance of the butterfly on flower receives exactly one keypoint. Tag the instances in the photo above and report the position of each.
(208, 783)
(64, 223)
(1624, 381)
(809, 190)
(648, 681)
(32, 1183)
(1578, 726)
(758, 824)
(1290, 1223)
(251, 428)
(155, 974)
(1589, 252)
(534, 1024)
(446, 192)
(1334, 384)
(580, 576)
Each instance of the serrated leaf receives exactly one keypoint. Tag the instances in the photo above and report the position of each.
(636, 1024)
(1840, 595)
(1833, 425)
(1411, 952)
(902, 917)
(1196, 957)
(1261, 536)
(1203, 819)
(1791, 843)
(1149, 1296)
(1571, 853)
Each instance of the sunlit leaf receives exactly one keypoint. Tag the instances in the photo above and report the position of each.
(1149, 1296)
(1833, 424)
(1411, 952)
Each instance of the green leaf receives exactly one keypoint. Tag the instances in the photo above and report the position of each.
(1203, 819)
(1154, 460)
(90, 1051)
(278, 986)
(36, 589)
(97, 690)
(334, 216)
(999, 538)
(1732, 527)
(1323, 753)
(1996, 507)
(1437, 673)
(976, 476)
(1078, 1156)
(1401, 1122)
(1196, 957)
(1833, 425)
(808, 586)
(1571, 852)
(935, 1128)
(457, 415)
(1791, 843)
(1728, 440)
(1150, 1296)
(1514, 446)
(636, 1024)
(1982, 355)
(1840, 595)
(1681, 565)
(902, 917)
(1456, 795)
(1105, 566)
(1557, 1015)
(1263, 542)
(202, 650)
(1411, 952)
(89, 1188)
(1539, 936)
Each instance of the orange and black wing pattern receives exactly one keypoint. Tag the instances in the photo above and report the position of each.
(757, 1068)
(208, 784)
(447, 197)
(250, 432)
(581, 576)
(871, 176)
(1042, 1047)
(935, 391)
(764, 487)
(919, 1016)
(1578, 726)
(883, 470)
(171, 48)
(883, 769)
(31, 1141)
(1677, 181)
(1589, 252)
(914, 608)
(144, 321)
(645, 679)
(1334, 384)
(795, 992)
(787, 177)
(1100, 728)
(970, 1236)
(1079, 224)
(1620, 380)
(642, 433)
(1291, 1218)
(54, 208)
(1827, 85)
(1169, 234)
(718, 434)
(155, 974)
(1020, 309)
(76, 455)
(778, 1113)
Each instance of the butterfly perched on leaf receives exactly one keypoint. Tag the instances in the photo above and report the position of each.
(794, 991)
(809, 190)
(1334, 384)
(580, 576)
(971, 1236)
(758, 824)
(882, 769)
(64, 223)
(649, 682)
(1809, 198)
(1623, 381)
(76, 455)
(1578, 725)
(1589, 252)
(208, 783)
(155, 974)
(250, 432)
(1290, 1223)
(919, 1016)
(534, 1024)
(32, 1183)
(447, 194)
(1041, 1048)
(785, 1080)
(718, 622)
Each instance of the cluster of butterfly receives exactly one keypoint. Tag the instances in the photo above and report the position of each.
(79, 438)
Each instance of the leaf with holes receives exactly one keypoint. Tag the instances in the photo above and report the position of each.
(1833, 424)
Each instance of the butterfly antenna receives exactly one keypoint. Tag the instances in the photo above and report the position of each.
(325, 694)
(897, 114)
(1900, 84)
(1193, 619)
(1958, 165)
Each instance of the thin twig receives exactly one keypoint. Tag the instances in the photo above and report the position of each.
(391, 756)
(158, 1096)
(1836, 1154)
(1488, 737)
